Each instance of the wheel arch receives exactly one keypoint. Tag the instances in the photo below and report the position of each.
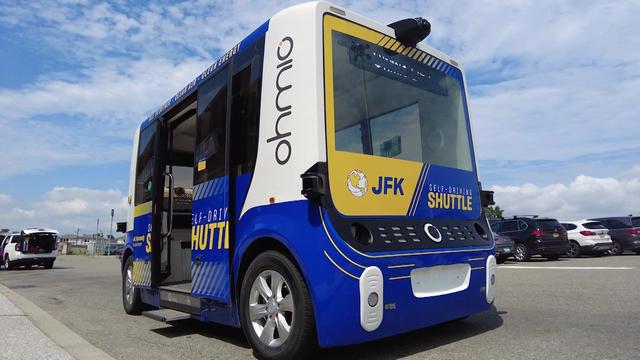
(125, 255)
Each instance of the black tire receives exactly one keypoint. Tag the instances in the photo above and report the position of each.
(553, 257)
(500, 259)
(574, 250)
(617, 249)
(134, 305)
(7, 263)
(301, 340)
(521, 252)
(49, 264)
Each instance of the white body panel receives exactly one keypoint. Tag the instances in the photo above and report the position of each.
(304, 126)
(10, 249)
(132, 181)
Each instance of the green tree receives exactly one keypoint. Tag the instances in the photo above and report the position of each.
(494, 212)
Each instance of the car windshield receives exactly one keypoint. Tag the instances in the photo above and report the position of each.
(394, 105)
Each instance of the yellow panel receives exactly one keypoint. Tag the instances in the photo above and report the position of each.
(390, 43)
(413, 51)
(142, 209)
(406, 51)
(345, 167)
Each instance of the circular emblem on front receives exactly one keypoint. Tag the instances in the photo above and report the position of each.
(432, 232)
(357, 183)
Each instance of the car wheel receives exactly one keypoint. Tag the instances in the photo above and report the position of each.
(130, 294)
(49, 264)
(637, 252)
(521, 253)
(617, 248)
(500, 259)
(553, 257)
(275, 309)
(7, 263)
(574, 250)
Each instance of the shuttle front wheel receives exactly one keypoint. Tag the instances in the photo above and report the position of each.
(275, 309)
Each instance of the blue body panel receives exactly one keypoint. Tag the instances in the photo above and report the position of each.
(299, 226)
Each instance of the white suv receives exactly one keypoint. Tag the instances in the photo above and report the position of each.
(587, 237)
(30, 247)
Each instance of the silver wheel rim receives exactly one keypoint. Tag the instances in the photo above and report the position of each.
(519, 253)
(573, 251)
(616, 249)
(128, 286)
(271, 309)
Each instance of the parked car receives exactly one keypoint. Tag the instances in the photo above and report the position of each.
(30, 247)
(624, 232)
(504, 247)
(587, 237)
(534, 235)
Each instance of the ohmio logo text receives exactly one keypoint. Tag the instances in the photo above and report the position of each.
(285, 62)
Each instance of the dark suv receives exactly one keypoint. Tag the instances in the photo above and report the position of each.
(533, 235)
(624, 232)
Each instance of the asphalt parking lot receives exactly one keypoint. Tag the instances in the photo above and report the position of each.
(587, 308)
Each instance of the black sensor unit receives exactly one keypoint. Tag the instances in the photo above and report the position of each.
(411, 31)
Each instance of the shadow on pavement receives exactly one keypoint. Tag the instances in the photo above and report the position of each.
(228, 334)
(420, 340)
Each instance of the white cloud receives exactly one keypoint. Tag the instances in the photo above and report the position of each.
(67, 209)
(4, 199)
(584, 197)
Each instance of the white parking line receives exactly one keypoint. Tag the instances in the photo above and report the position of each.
(566, 267)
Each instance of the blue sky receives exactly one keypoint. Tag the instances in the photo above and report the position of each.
(553, 92)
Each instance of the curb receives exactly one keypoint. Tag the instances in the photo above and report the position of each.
(66, 338)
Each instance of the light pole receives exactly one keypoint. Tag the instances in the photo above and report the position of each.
(110, 234)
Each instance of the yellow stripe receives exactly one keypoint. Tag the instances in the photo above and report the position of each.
(431, 61)
(390, 43)
(426, 59)
(142, 209)
(413, 51)
(407, 51)
(395, 45)
(335, 246)
(384, 38)
(400, 49)
(405, 254)
(400, 277)
(422, 56)
(339, 268)
(400, 266)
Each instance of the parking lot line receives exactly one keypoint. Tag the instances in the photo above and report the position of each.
(568, 267)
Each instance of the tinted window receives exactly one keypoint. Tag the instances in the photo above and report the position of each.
(522, 225)
(510, 225)
(495, 227)
(549, 225)
(636, 221)
(570, 226)
(615, 224)
(245, 108)
(212, 129)
(16, 239)
(594, 225)
(144, 167)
